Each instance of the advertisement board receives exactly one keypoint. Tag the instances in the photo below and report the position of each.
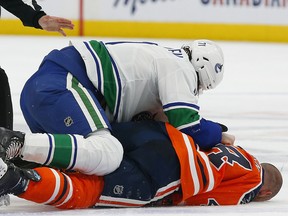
(256, 20)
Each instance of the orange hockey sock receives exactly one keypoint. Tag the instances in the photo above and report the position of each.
(65, 190)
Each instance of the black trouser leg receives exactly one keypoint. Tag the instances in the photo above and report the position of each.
(6, 109)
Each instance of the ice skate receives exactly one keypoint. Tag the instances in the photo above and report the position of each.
(14, 180)
(11, 143)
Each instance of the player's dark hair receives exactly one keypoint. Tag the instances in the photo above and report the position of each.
(188, 52)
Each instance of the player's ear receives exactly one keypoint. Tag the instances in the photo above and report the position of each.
(264, 193)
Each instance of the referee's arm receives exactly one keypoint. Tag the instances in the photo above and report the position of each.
(28, 14)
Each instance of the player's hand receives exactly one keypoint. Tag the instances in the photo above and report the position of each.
(228, 139)
(50, 23)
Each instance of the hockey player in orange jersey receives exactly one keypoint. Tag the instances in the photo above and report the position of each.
(161, 166)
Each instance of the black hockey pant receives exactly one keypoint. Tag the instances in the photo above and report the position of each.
(6, 109)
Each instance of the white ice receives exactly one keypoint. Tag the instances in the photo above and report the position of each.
(252, 101)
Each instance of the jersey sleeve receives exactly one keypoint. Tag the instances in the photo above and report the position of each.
(224, 175)
(28, 14)
(179, 96)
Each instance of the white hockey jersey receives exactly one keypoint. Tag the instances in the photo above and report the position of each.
(141, 76)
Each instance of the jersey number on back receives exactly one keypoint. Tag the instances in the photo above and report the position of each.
(228, 154)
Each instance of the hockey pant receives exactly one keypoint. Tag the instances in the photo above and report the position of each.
(54, 101)
(6, 109)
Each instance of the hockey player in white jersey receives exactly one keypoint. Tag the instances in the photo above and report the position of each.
(136, 77)
(82, 88)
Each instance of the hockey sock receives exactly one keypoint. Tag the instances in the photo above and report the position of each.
(64, 190)
(98, 154)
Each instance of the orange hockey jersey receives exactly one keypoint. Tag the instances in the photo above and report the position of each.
(224, 175)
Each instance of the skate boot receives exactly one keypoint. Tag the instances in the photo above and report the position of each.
(11, 143)
(14, 180)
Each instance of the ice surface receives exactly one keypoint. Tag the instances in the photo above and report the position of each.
(252, 101)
